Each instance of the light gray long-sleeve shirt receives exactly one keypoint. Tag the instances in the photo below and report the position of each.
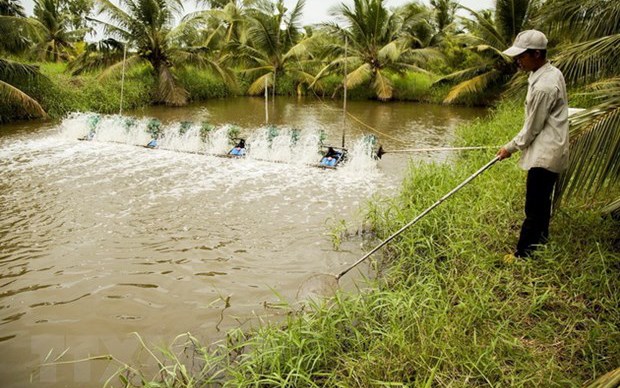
(543, 139)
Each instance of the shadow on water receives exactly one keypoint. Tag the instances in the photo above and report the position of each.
(101, 239)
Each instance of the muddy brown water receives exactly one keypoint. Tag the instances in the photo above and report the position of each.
(101, 239)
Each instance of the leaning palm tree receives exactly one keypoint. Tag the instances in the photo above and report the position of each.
(489, 34)
(147, 27)
(376, 47)
(590, 56)
(10, 75)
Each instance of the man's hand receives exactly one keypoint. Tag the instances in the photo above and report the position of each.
(503, 153)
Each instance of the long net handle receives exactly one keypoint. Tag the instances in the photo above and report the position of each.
(425, 212)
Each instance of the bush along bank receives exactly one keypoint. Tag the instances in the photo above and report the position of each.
(447, 310)
(60, 93)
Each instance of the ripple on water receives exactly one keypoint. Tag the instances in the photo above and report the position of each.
(139, 285)
(31, 288)
(211, 273)
(60, 302)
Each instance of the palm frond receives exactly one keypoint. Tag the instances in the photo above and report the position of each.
(382, 86)
(464, 74)
(391, 51)
(10, 70)
(97, 55)
(117, 67)
(484, 29)
(511, 17)
(196, 57)
(590, 60)
(258, 86)
(294, 17)
(12, 95)
(299, 51)
(577, 21)
(595, 145)
(168, 92)
(472, 86)
(359, 76)
(18, 33)
(422, 57)
(113, 30)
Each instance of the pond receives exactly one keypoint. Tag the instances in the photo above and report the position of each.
(103, 238)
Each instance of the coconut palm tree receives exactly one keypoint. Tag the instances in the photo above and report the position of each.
(226, 22)
(57, 38)
(376, 47)
(490, 34)
(417, 22)
(444, 15)
(273, 47)
(147, 27)
(590, 56)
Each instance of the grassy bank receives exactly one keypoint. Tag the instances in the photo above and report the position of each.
(60, 93)
(447, 311)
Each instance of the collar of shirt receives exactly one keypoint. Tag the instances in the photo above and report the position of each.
(535, 75)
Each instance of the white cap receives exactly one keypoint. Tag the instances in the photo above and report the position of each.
(528, 39)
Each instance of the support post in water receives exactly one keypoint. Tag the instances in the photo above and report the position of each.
(120, 110)
(344, 84)
(266, 102)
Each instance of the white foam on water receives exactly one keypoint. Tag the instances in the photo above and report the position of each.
(284, 145)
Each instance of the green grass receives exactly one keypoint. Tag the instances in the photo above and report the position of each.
(411, 86)
(202, 85)
(447, 311)
(59, 93)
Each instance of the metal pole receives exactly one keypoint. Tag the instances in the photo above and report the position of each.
(120, 110)
(425, 212)
(344, 104)
(266, 102)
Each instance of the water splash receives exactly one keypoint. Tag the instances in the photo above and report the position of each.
(283, 145)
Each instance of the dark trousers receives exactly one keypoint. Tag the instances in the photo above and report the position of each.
(535, 228)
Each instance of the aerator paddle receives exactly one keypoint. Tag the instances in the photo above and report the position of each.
(326, 284)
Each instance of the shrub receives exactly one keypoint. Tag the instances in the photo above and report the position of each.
(202, 84)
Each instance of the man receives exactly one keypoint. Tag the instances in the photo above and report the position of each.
(543, 139)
